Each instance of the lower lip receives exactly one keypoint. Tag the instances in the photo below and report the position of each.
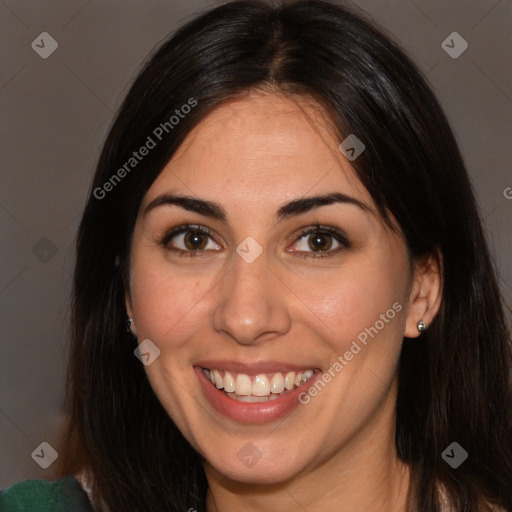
(254, 412)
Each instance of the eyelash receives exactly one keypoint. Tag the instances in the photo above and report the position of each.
(317, 229)
(179, 230)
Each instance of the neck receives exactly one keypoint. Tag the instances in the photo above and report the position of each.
(364, 475)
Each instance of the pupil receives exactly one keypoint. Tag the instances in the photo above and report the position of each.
(320, 242)
(195, 240)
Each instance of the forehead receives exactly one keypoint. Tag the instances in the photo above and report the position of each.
(267, 146)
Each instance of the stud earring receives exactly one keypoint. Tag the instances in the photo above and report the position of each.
(421, 326)
(129, 324)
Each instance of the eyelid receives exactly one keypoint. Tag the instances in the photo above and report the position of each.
(330, 230)
(184, 228)
(335, 233)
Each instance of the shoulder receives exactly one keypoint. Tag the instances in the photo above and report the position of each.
(62, 495)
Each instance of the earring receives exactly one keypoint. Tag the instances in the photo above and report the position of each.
(421, 326)
(129, 323)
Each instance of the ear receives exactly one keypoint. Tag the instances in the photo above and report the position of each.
(426, 293)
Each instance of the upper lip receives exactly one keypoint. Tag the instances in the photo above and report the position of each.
(254, 368)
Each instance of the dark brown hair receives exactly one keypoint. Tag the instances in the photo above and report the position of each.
(453, 384)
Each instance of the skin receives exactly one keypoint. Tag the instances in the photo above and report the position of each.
(288, 305)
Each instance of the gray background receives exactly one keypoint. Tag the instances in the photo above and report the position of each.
(55, 113)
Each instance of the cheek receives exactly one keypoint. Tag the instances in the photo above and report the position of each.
(167, 305)
(358, 301)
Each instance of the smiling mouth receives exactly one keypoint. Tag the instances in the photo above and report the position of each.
(256, 388)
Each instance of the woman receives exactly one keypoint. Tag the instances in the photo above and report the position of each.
(282, 220)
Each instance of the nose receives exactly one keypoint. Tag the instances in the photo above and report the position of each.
(252, 303)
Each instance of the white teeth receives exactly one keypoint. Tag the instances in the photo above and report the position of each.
(289, 380)
(258, 388)
(248, 398)
(306, 376)
(229, 383)
(261, 386)
(243, 384)
(218, 379)
(277, 383)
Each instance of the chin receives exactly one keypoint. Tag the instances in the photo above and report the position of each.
(249, 464)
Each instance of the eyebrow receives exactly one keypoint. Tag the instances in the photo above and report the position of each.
(206, 208)
(295, 207)
(306, 204)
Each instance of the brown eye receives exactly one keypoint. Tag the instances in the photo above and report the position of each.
(195, 240)
(189, 239)
(320, 242)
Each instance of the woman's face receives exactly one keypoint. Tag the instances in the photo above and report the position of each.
(285, 270)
